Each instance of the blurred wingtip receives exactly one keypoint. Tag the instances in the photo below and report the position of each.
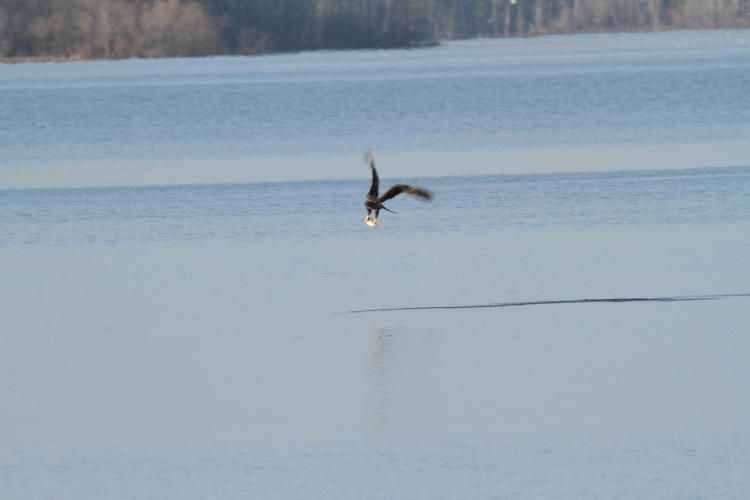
(367, 156)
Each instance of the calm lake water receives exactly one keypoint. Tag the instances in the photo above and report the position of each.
(167, 335)
(676, 99)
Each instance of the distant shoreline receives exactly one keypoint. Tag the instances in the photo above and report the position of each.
(81, 57)
(25, 59)
(430, 43)
(75, 30)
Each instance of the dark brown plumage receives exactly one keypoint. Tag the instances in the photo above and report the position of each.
(374, 202)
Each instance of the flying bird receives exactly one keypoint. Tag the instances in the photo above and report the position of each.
(373, 202)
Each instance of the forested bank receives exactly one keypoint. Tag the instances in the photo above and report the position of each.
(85, 29)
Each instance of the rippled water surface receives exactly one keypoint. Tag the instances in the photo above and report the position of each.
(192, 339)
(316, 112)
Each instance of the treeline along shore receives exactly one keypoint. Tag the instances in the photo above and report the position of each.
(93, 29)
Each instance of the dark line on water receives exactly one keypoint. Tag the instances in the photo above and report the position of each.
(552, 302)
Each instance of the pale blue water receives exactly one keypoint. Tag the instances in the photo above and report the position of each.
(193, 341)
(589, 91)
(299, 211)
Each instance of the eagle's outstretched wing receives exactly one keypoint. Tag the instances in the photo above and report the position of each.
(404, 188)
(375, 182)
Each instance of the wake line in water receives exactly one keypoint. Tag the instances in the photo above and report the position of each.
(552, 302)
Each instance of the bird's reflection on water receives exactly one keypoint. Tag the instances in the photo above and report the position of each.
(402, 363)
(381, 360)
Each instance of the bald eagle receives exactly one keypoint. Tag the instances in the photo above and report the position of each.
(373, 202)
